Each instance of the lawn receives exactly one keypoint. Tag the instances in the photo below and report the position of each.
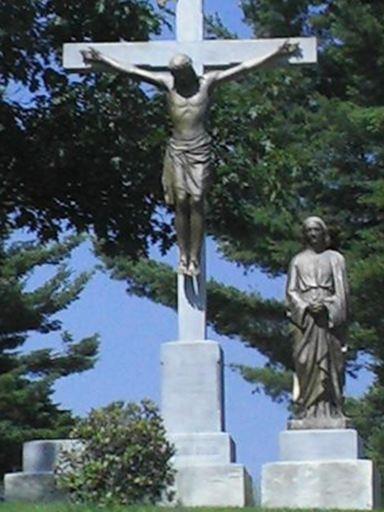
(17, 507)
(21, 507)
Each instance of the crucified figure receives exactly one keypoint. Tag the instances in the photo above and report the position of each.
(187, 163)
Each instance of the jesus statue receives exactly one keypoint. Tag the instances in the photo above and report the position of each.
(188, 156)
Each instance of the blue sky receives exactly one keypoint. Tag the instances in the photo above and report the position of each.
(133, 329)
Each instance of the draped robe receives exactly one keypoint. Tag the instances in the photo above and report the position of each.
(319, 340)
(187, 167)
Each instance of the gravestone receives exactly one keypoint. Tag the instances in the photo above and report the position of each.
(36, 483)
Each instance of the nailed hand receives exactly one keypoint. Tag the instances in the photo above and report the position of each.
(288, 48)
(91, 55)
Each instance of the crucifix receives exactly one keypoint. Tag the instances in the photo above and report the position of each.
(188, 69)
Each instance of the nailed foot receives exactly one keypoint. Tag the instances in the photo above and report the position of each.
(183, 266)
(193, 268)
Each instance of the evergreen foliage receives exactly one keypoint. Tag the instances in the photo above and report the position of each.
(27, 376)
(79, 151)
(124, 459)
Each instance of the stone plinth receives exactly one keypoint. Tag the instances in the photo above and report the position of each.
(320, 469)
(192, 387)
(201, 448)
(320, 423)
(219, 485)
(193, 412)
(318, 445)
(37, 483)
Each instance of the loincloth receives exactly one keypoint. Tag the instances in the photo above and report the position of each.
(187, 167)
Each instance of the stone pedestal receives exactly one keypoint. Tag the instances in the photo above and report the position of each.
(320, 469)
(193, 412)
(36, 483)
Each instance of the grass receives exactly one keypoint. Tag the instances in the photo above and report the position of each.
(62, 507)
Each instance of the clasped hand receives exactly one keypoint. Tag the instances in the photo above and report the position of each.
(315, 308)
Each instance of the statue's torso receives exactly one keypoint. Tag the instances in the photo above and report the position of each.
(188, 113)
(315, 271)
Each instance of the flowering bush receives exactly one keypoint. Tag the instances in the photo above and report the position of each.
(124, 457)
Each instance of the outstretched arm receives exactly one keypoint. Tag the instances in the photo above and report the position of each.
(94, 57)
(269, 60)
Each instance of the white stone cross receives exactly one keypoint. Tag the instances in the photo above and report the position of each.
(206, 54)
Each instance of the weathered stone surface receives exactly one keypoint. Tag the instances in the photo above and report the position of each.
(320, 423)
(227, 485)
(31, 487)
(211, 53)
(36, 483)
(348, 484)
(313, 445)
(203, 448)
(192, 387)
(42, 456)
(191, 302)
(193, 412)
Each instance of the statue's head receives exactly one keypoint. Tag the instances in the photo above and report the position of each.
(316, 233)
(181, 65)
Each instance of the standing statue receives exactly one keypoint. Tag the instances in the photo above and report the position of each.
(187, 165)
(317, 301)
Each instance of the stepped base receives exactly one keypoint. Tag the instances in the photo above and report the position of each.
(320, 469)
(347, 484)
(193, 412)
(220, 485)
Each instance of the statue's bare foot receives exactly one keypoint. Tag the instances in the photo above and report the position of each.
(194, 268)
(183, 267)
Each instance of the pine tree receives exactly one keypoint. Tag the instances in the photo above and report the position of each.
(27, 410)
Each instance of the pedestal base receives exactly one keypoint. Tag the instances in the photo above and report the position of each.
(192, 387)
(193, 412)
(320, 469)
(226, 485)
(199, 448)
(347, 484)
(318, 445)
(320, 423)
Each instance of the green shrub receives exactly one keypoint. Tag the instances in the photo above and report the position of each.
(124, 459)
